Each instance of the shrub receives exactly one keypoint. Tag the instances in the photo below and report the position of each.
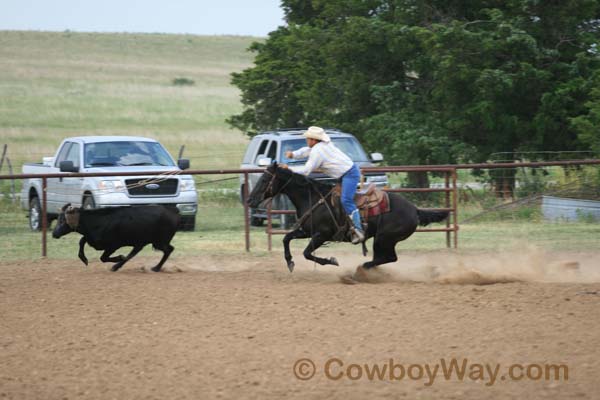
(183, 82)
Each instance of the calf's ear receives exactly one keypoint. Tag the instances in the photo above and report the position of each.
(65, 207)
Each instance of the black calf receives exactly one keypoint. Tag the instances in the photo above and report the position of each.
(111, 228)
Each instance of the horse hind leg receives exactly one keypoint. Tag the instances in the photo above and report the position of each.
(314, 244)
(383, 253)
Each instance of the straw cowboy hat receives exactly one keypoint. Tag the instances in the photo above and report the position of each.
(314, 132)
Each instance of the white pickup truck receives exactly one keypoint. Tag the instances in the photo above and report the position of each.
(110, 154)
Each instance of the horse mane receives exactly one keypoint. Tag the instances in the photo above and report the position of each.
(302, 180)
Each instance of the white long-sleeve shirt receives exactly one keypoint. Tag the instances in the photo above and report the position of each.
(325, 157)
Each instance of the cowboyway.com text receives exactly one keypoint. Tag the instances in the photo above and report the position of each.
(463, 369)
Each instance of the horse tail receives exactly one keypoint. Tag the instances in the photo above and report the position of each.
(428, 216)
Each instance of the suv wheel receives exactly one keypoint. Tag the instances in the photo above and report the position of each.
(256, 221)
(287, 221)
(35, 214)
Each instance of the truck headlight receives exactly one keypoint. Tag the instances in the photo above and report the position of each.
(113, 186)
(376, 179)
(186, 184)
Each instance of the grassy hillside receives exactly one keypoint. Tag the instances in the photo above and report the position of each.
(54, 85)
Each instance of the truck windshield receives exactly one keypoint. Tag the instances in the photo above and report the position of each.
(348, 145)
(109, 154)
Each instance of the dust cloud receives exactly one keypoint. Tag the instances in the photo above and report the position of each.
(528, 264)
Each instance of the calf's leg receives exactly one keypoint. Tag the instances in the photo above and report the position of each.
(167, 249)
(105, 257)
(129, 256)
(81, 254)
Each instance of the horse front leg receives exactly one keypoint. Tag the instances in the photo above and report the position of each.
(315, 242)
(297, 234)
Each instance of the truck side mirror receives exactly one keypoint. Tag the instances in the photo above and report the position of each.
(377, 157)
(264, 161)
(183, 163)
(67, 166)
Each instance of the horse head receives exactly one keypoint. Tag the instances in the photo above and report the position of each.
(269, 185)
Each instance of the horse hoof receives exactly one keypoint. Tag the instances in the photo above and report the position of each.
(360, 275)
(115, 268)
(155, 269)
(348, 280)
(334, 261)
(291, 266)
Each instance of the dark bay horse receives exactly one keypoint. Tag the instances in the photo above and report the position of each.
(322, 222)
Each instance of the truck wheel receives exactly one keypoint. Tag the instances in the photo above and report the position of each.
(35, 214)
(287, 221)
(88, 203)
(187, 223)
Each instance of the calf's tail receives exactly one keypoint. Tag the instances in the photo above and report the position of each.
(428, 216)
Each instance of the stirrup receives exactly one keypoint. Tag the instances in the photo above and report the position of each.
(357, 236)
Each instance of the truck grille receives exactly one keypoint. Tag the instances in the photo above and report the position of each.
(150, 187)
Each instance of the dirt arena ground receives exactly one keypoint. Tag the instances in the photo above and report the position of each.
(235, 327)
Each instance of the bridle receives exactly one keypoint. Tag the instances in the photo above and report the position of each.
(269, 188)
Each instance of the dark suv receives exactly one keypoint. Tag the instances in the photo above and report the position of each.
(271, 146)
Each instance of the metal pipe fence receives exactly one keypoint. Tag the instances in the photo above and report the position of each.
(450, 189)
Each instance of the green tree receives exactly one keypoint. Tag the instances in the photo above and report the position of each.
(431, 81)
(588, 124)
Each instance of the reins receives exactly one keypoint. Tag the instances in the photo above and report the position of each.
(308, 213)
(322, 200)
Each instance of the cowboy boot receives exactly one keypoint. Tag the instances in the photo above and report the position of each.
(358, 234)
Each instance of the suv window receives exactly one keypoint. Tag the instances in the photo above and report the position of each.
(348, 145)
(272, 153)
(261, 150)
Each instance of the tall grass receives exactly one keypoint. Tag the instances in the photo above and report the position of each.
(54, 85)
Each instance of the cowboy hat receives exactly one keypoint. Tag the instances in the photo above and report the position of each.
(314, 132)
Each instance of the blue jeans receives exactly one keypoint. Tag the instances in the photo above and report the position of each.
(349, 183)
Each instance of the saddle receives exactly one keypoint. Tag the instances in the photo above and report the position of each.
(370, 201)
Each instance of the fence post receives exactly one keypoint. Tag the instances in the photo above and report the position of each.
(269, 225)
(455, 206)
(246, 212)
(3, 155)
(12, 181)
(447, 205)
(44, 216)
